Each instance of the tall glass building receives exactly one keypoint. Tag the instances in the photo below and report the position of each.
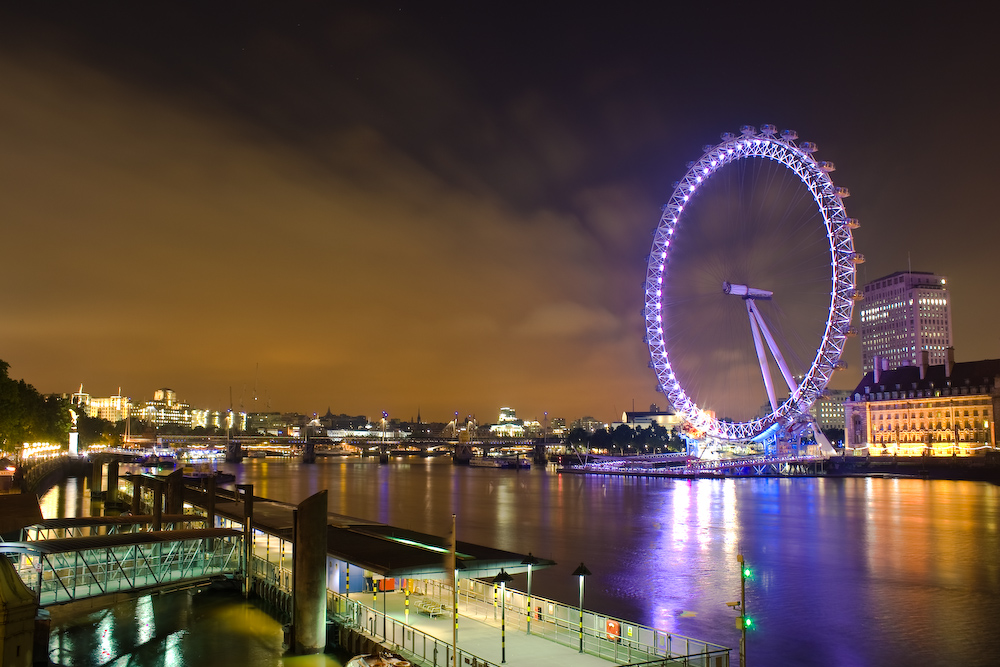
(903, 314)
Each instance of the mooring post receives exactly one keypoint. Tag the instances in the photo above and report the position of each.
(309, 575)
(247, 490)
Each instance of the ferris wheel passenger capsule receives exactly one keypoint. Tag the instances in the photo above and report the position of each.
(808, 147)
(748, 130)
(768, 129)
(706, 148)
(827, 166)
(858, 258)
(852, 223)
(843, 192)
(789, 135)
(727, 136)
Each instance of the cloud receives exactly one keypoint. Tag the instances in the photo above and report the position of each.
(568, 321)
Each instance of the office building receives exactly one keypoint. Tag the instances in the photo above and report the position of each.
(828, 410)
(902, 315)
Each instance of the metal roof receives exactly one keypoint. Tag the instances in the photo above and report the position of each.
(385, 550)
(123, 520)
(70, 544)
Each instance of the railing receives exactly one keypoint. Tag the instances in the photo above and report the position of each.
(604, 636)
(41, 532)
(64, 577)
(411, 643)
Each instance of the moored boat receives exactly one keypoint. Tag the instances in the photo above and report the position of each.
(382, 658)
(499, 462)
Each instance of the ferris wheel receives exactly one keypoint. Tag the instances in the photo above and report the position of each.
(750, 285)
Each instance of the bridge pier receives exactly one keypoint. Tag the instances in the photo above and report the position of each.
(96, 480)
(111, 500)
(234, 452)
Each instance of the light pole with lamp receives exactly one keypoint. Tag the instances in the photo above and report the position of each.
(581, 572)
(503, 579)
(529, 560)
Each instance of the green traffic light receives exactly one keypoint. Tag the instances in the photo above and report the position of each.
(746, 572)
(747, 622)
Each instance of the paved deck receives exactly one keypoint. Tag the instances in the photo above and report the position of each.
(480, 636)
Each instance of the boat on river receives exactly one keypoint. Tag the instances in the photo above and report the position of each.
(382, 658)
(197, 474)
(511, 462)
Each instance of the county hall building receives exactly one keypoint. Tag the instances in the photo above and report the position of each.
(943, 410)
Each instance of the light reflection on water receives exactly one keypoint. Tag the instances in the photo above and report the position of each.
(181, 629)
(847, 571)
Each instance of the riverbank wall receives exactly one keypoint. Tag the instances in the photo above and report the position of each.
(984, 468)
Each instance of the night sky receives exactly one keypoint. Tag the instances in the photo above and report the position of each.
(437, 206)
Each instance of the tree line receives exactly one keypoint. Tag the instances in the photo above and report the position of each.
(27, 416)
(655, 439)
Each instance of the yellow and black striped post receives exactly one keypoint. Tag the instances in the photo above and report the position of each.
(502, 579)
(406, 613)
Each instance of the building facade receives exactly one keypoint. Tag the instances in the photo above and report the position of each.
(828, 410)
(113, 408)
(903, 314)
(508, 425)
(944, 410)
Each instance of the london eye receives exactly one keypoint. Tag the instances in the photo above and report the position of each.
(750, 285)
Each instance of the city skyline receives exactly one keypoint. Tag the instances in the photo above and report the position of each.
(440, 209)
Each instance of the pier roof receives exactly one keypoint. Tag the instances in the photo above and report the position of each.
(386, 550)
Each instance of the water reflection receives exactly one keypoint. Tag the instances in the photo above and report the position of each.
(182, 629)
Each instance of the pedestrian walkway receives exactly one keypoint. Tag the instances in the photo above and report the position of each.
(480, 635)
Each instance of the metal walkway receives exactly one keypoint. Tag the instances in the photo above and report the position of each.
(74, 568)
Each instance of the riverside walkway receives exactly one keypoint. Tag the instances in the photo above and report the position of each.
(483, 642)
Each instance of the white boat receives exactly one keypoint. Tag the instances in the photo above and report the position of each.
(381, 659)
(499, 462)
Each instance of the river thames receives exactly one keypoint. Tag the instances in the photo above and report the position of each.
(847, 571)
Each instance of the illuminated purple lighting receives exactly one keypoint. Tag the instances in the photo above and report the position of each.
(828, 199)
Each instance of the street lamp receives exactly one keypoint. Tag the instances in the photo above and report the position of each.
(529, 561)
(503, 578)
(581, 572)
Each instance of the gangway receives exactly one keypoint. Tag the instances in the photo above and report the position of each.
(74, 568)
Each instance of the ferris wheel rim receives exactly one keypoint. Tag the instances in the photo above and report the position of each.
(797, 158)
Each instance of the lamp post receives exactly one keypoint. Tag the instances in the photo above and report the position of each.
(529, 561)
(503, 578)
(581, 572)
